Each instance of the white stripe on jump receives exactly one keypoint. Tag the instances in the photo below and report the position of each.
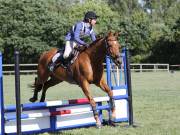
(76, 109)
(101, 99)
(37, 115)
(59, 102)
(119, 92)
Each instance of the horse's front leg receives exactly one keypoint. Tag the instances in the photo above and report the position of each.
(102, 84)
(85, 87)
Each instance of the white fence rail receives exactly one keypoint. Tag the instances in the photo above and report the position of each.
(149, 67)
(32, 68)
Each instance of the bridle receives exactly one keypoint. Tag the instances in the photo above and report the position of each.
(108, 53)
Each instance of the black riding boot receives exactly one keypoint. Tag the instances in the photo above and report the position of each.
(66, 62)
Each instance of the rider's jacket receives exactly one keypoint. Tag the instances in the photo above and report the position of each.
(80, 30)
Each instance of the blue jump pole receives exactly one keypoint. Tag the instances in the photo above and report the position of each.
(108, 71)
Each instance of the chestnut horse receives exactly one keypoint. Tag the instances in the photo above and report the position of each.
(87, 69)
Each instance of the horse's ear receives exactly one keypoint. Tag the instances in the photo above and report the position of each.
(116, 34)
(110, 33)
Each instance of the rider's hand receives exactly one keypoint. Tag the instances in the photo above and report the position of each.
(81, 48)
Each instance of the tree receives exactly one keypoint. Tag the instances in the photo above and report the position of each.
(137, 35)
(31, 27)
(124, 7)
(167, 47)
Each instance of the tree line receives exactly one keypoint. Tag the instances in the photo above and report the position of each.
(150, 28)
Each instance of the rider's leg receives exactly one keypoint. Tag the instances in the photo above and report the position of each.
(68, 50)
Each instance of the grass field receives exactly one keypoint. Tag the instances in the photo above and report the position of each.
(156, 101)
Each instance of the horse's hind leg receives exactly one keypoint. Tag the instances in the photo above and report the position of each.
(37, 88)
(51, 82)
(102, 84)
(85, 87)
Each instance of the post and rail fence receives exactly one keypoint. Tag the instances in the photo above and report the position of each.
(8, 69)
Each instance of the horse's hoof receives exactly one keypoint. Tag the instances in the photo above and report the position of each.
(41, 101)
(113, 124)
(32, 99)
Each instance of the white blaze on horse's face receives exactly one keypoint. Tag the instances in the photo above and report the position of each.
(114, 47)
(115, 42)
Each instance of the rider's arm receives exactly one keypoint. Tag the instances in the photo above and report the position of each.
(93, 35)
(77, 31)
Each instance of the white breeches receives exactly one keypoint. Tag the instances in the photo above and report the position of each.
(68, 48)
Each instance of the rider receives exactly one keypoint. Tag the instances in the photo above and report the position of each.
(75, 35)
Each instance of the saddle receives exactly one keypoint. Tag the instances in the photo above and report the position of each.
(66, 63)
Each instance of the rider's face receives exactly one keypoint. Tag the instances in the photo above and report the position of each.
(93, 22)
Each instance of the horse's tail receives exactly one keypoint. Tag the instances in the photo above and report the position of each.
(36, 86)
(38, 83)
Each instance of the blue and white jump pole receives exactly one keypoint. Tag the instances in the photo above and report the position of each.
(67, 114)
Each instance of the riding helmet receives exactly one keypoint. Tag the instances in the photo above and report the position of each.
(90, 15)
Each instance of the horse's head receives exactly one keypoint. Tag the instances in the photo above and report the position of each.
(113, 47)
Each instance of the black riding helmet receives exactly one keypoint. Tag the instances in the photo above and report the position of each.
(90, 15)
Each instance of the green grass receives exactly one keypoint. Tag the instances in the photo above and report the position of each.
(156, 101)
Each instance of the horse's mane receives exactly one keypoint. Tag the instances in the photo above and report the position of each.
(93, 43)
